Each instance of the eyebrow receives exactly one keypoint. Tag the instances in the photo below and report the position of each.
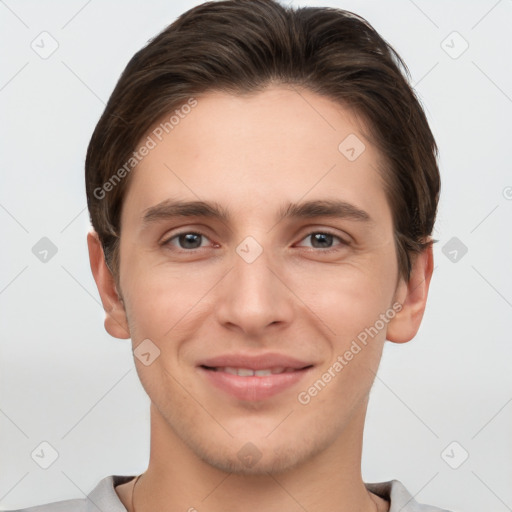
(169, 209)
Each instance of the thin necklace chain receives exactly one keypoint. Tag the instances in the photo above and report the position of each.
(133, 491)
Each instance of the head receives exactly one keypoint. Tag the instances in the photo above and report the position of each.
(263, 182)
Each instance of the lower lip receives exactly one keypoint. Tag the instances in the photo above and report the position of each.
(253, 388)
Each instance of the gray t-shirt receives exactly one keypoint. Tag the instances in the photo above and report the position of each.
(104, 498)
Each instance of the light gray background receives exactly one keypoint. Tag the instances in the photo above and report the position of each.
(65, 381)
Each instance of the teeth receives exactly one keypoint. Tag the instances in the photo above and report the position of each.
(262, 373)
(247, 372)
(244, 372)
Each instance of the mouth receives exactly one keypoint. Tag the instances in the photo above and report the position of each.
(253, 378)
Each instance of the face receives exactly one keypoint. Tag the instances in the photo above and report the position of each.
(257, 261)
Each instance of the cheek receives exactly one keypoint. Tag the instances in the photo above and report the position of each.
(347, 298)
(163, 298)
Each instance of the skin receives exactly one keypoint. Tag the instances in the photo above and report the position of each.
(251, 154)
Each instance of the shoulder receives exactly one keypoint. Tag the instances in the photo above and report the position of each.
(102, 497)
(399, 497)
(76, 505)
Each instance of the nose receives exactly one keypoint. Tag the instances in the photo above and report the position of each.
(254, 297)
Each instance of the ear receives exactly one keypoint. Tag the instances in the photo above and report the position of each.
(116, 323)
(412, 295)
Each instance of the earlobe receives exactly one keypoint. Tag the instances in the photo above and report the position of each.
(412, 295)
(116, 322)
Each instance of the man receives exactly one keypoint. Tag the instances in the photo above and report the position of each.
(262, 186)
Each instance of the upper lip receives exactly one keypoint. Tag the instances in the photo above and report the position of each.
(255, 362)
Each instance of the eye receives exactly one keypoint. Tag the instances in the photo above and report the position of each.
(324, 240)
(186, 240)
(190, 240)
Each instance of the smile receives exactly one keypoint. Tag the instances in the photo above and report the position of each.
(253, 377)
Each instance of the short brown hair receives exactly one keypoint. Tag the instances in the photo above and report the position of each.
(242, 46)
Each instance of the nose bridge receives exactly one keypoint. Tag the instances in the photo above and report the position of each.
(252, 297)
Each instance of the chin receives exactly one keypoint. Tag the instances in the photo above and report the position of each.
(268, 464)
(261, 457)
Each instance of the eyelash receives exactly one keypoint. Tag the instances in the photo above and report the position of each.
(342, 243)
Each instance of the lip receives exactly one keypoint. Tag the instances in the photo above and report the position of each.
(253, 388)
(254, 362)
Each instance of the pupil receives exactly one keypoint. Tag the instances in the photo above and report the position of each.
(190, 241)
(323, 239)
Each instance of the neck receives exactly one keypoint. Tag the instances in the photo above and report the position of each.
(176, 479)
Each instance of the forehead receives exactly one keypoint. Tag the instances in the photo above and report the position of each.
(260, 149)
